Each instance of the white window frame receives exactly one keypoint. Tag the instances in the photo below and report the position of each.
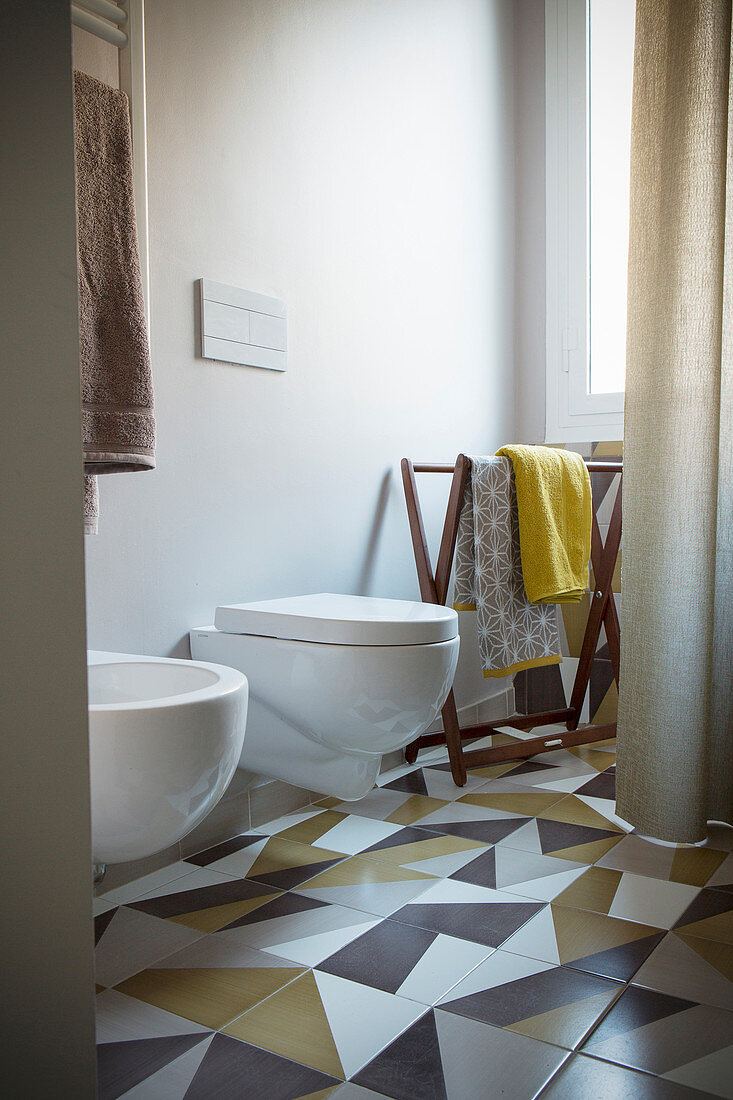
(572, 413)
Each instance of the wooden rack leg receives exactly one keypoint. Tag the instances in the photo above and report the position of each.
(452, 732)
(613, 637)
(610, 615)
(452, 735)
(430, 594)
(417, 531)
(611, 623)
(601, 601)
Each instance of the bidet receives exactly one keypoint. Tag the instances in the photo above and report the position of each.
(165, 736)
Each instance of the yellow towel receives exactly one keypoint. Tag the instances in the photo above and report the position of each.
(555, 514)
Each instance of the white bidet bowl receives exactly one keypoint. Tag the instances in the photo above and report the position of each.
(165, 737)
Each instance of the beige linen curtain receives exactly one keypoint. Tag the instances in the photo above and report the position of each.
(675, 724)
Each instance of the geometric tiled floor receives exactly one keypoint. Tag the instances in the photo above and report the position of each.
(510, 938)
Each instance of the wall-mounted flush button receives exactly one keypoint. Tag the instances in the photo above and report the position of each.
(228, 322)
(240, 326)
(267, 331)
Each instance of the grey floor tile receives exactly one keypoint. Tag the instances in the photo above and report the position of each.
(131, 941)
(671, 1037)
(445, 1057)
(584, 1078)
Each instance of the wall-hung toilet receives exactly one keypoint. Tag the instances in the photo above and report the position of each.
(335, 682)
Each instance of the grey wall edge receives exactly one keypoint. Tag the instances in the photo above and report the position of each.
(46, 976)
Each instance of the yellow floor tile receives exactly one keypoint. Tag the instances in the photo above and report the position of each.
(210, 996)
(294, 1025)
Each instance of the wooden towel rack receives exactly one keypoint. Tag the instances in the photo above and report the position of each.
(434, 589)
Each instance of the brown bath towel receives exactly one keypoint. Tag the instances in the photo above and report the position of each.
(117, 389)
(91, 505)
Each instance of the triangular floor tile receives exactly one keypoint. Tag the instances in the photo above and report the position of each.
(526, 838)
(561, 836)
(565, 1026)
(620, 963)
(531, 767)
(710, 916)
(602, 785)
(607, 709)
(210, 996)
(575, 811)
(486, 1062)
(412, 783)
(234, 1069)
(382, 957)
(101, 923)
(363, 1020)
(580, 934)
(513, 869)
(409, 1067)
(120, 1066)
(487, 832)
(492, 771)
(281, 905)
(717, 955)
(414, 809)
(288, 877)
(207, 908)
(587, 853)
(480, 871)
(636, 1008)
(529, 804)
(488, 924)
(536, 939)
(174, 1079)
(211, 920)
(294, 1025)
(226, 848)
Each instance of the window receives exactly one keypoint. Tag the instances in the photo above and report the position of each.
(589, 68)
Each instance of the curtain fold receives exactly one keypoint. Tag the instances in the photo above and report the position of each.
(675, 722)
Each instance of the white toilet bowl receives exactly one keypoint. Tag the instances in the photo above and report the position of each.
(335, 682)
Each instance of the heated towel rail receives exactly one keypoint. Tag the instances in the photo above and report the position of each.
(122, 25)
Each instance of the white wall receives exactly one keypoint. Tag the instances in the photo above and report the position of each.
(355, 157)
(46, 940)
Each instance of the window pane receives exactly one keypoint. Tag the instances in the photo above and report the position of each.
(611, 62)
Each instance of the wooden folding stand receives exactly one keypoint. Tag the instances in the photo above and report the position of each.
(434, 589)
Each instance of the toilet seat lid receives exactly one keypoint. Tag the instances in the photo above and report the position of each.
(341, 620)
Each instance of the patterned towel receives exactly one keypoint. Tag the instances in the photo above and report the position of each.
(513, 633)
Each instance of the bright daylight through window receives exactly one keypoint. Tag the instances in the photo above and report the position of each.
(589, 74)
(611, 57)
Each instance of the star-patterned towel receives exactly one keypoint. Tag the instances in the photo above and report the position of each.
(513, 633)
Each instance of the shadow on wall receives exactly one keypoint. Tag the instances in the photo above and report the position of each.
(366, 574)
(182, 647)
